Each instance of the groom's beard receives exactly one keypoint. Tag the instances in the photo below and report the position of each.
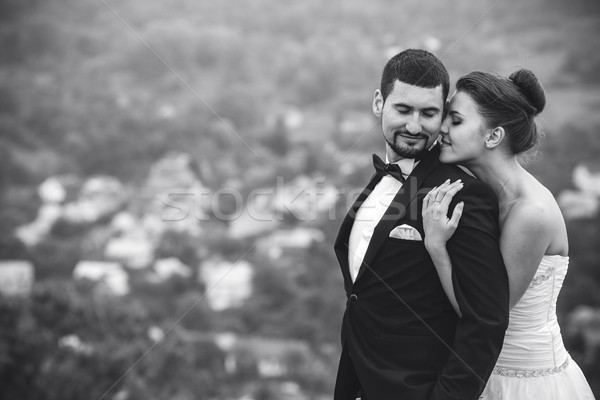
(405, 151)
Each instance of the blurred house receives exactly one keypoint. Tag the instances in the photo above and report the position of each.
(586, 177)
(150, 227)
(175, 170)
(123, 222)
(153, 226)
(32, 233)
(75, 344)
(288, 243)
(110, 276)
(305, 198)
(59, 188)
(167, 268)
(16, 277)
(53, 192)
(227, 284)
(134, 249)
(272, 357)
(585, 201)
(174, 193)
(100, 197)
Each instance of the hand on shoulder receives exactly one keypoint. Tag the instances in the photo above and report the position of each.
(436, 224)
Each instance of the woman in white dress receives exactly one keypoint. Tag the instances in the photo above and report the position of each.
(491, 120)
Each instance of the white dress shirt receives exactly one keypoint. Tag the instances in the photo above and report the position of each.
(370, 213)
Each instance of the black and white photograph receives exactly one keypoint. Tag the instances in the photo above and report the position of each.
(271, 200)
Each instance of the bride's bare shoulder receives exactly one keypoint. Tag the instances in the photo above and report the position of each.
(535, 208)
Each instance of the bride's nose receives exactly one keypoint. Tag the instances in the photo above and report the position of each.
(444, 127)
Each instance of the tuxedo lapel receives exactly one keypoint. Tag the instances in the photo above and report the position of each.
(343, 237)
(400, 206)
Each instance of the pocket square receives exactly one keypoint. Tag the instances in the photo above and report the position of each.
(405, 232)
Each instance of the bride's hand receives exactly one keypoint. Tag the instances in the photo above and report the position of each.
(438, 227)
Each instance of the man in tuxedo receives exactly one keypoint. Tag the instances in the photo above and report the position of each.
(401, 338)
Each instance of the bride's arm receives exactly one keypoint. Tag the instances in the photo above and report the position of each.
(526, 234)
(438, 229)
(442, 263)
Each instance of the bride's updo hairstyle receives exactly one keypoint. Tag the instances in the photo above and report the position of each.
(508, 103)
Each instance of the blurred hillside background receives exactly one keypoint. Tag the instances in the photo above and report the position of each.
(137, 260)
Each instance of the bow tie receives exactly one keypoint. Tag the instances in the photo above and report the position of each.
(382, 169)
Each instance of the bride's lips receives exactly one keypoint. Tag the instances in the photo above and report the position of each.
(444, 143)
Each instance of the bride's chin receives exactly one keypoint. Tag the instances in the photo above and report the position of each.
(447, 159)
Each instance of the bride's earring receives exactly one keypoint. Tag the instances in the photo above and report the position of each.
(494, 138)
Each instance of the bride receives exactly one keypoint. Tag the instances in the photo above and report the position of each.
(491, 120)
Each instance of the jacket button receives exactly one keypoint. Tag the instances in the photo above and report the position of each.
(353, 298)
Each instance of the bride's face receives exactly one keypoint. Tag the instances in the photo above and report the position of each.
(462, 135)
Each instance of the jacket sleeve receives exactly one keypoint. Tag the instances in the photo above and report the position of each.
(481, 287)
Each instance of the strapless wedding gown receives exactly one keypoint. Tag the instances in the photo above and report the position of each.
(534, 363)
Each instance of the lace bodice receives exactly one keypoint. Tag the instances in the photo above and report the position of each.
(533, 343)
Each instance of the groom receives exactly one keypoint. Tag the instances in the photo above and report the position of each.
(401, 338)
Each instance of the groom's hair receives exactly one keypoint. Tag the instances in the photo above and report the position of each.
(415, 67)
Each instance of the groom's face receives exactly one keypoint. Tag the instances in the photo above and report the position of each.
(411, 118)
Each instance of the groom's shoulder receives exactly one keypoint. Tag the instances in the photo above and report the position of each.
(453, 172)
(471, 183)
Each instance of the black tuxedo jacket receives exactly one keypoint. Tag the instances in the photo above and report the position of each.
(401, 338)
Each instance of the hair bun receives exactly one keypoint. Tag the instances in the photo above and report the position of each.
(525, 80)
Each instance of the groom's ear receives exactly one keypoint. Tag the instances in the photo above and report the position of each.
(378, 103)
